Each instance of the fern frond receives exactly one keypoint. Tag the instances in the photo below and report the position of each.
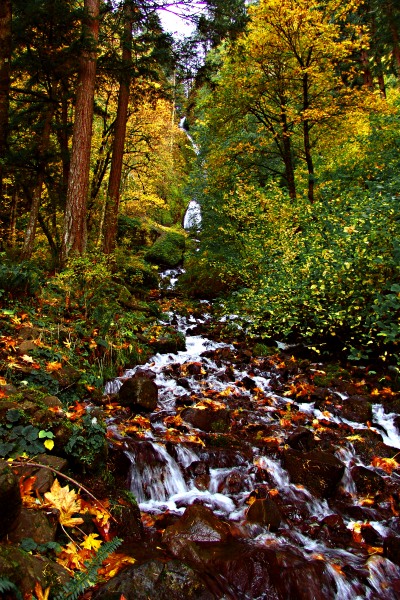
(86, 579)
(8, 586)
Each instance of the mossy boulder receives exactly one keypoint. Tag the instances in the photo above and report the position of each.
(167, 250)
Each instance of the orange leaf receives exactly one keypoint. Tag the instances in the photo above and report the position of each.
(40, 593)
(53, 366)
(386, 464)
(26, 490)
(114, 563)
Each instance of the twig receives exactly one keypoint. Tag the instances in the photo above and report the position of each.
(79, 485)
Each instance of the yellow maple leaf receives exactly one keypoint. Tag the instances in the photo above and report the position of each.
(67, 502)
(91, 543)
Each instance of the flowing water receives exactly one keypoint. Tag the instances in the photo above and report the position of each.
(176, 463)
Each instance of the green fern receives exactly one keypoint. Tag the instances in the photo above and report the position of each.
(8, 586)
(82, 581)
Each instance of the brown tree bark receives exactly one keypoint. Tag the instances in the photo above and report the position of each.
(5, 71)
(307, 140)
(43, 146)
(114, 183)
(74, 237)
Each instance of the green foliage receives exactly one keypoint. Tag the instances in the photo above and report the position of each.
(21, 278)
(17, 436)
(8, 586)
(324, 274)
(86, 579)
(167, 250)
(87, 443)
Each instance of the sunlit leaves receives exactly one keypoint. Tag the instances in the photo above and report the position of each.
(66, 501)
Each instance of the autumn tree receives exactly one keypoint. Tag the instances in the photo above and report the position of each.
(5, 70)
(285, 67)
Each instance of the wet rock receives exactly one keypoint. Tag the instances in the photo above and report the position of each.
(200, 473)
(154, 579)
(207, 419)
(10, 499)
(44, 477)
(67, 376)
(334, 531)
(29, 333)
(238, 570)
(317, 470)
(198, 524)
(25, 570)
(264, 512)
(356, 408)
(139, 393)
(301, 439)
(396, 422)
(34, 524)
(166, 345)
(391, 548)
(371, 536)
(366, 480)
(52, 402)
(26, 347)
(146, 373)
(249, 383)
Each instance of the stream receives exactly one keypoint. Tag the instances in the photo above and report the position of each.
(264, 489)
(223, 439)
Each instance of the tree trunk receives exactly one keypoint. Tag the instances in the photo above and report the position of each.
(288, 158)
(114, 183)
(74, 237)
(5, 70)
(307, 141)
(13, 217)
(30, 234)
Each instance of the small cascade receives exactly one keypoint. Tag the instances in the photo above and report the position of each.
(155, 476)
(232, 430)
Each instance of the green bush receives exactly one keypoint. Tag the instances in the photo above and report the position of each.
(16, 279)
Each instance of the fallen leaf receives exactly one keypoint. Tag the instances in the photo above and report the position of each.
(67, 502)
(386, 464)
(40, 593)
(53, 366)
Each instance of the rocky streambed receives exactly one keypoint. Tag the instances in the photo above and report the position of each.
(256, 476)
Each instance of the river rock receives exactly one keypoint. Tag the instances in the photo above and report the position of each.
(157, 580)
(391, 548)
(34, 524)
(198, 524)
(239, 571)
(139, 393)
(356, 408)
(206, 418)
(25, 570)
(367, 481)
(10, 499)
(264, 512)
(301, 439)
(317, 470)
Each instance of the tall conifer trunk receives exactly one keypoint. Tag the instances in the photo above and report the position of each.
(5, 64)
(37, 193)
(74, 237)
(114, 183)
